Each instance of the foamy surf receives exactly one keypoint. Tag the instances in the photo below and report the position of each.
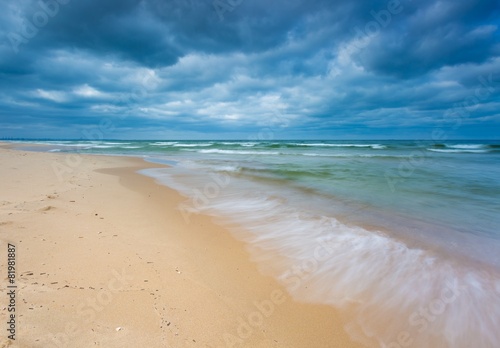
(459, 150)
(240, 152)
(395, 296)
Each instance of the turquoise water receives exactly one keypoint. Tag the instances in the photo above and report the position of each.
(402, 220)
(454, 185)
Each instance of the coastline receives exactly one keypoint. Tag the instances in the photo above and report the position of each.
(106, 259)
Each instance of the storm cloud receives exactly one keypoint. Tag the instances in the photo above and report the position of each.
(230, 68)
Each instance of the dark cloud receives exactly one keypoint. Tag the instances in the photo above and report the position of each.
(434, 35)
(190, 66)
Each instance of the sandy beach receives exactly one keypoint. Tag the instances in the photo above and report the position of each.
(105, 258)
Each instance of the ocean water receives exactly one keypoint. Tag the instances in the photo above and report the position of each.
(402, 235)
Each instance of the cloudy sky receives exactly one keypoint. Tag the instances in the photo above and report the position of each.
(234, 69)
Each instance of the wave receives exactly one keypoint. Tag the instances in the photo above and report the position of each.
(102, 146)
(234, 169)
(491, 147)
(163, 143)
(266, 152)
(388, 287)
(193, 145)
(110, 143)
(458, 150)
(334, 155)
(236, 143)
(373, 146)
(467, 146)
(240, 152)
(69, 145)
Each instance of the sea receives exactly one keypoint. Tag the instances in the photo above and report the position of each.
(402, 236)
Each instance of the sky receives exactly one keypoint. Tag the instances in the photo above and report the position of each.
(250, 69)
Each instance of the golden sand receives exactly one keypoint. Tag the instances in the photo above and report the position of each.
(105, 258)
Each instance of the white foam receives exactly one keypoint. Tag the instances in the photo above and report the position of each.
(246, 144)
(226, 168)
(373, 146)
(163, 143)
(70, 145)
(390, 288)
(466, 146)
(240, 152)
(111, 143)
(345, 155)
(458, 150)
(193, 145)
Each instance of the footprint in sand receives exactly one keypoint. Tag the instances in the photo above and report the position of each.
(47, 208)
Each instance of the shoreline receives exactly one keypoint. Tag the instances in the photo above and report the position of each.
(183, 285)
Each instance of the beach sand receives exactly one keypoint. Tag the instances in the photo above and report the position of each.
(105, 258)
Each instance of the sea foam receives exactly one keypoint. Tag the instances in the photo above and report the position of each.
(393, 294)
(389, 289)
